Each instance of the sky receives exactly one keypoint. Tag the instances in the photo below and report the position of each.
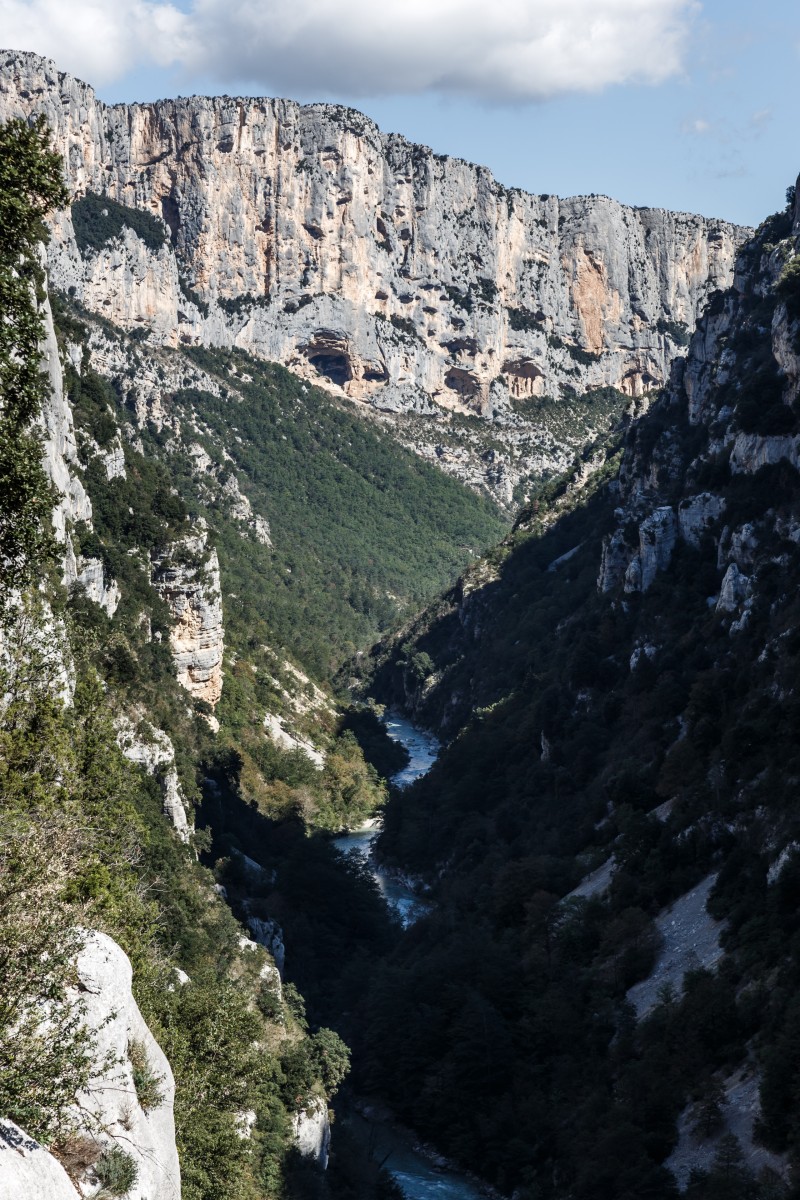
(683, 104)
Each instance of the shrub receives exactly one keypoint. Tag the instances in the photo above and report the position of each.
(678, 331)
(522, 319)
(788, 287)
(146, 1082)
(117, 1171)
(332, 1058)
(30, 185)
(404, 325)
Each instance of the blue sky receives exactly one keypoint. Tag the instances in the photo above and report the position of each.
(675, 103)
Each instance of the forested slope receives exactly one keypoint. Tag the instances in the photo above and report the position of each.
(619, 686)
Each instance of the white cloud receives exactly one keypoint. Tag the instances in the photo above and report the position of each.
(508, 50)
(760, 119)
(96, 39)
(696, 125)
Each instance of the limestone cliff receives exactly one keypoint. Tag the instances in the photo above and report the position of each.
(110, 1103)
(28, 1171)
(153, 750)
(108, 1114)
(409, 280)
(61, 463)
(737, 391)
(186, 576)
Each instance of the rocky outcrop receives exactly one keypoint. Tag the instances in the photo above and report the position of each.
(751, 451)
(109, 1109)
(739, 382)
(657, 536)
(269, 934)
(409, 280)
(735, 590)
(697, 514)
(311, 1128)
(186, 576)
(274, 726)
(61, 463)
(614, 561)
(153, 750)
(60, 445)
(90, 574)
(689, 940)
(28, 1171)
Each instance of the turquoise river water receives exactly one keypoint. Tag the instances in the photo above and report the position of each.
(417, 1176)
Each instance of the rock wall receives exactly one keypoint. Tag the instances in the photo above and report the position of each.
(708, 391)
(311, 1128)
(186, 576)
(108, 1113)
(408, 279)
(28, 1170)
(110, 1109)
(152, 749)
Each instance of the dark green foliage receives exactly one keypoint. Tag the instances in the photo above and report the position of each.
(487, 290)
(93, 401)
(99, 219)
(363, 530)
(760, 408)
(584, 357)
(562, 752)
(788, 287)
(235, 305)
(462, 300)
(522, 319)
(30, 185)
(70, 828)
(145, 1080)
(678, 331)
(382, 752)
(779, 225)
(404, 325)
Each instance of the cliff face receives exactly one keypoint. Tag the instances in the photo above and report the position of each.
(111, 1102)
(636, 730)
(410, 280)
(27, 1169)
(736, 392)
(691, 480)
(186, 576)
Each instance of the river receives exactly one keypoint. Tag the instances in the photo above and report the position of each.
(419, 1178)
(422, 748)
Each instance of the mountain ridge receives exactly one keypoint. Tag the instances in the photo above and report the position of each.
(410, 282)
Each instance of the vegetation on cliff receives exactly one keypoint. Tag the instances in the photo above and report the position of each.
(83, 840)
(651, 732)
(30, 185)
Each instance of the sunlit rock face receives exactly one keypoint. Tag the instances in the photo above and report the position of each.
(402, 277)
(312, 1132)
(186, 576)
(110, 1102)
(28, 1171)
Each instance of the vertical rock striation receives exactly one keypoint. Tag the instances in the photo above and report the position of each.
(186, 576)
(406, 279)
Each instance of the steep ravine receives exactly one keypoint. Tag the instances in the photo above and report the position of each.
(612, 824)
(422, 1174)
(597, 993)
(422, 748)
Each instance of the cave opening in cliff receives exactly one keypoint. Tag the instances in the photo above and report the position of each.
(335, 367)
